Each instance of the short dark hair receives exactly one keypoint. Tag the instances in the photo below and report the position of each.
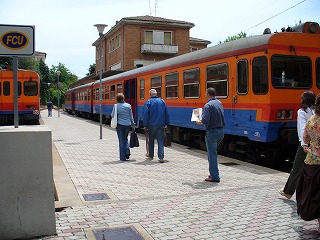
(120, 97)
(308, 100)
(211, 92)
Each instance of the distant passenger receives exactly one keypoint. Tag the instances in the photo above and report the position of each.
(124, 122)
(308, 99)
(155, 118)
(213, 119)
(49, 106)
(308, 190)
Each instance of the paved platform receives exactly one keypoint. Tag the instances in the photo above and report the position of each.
(152, 200)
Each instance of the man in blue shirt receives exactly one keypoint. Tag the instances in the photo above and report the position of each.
(155, 117)
(213, 119)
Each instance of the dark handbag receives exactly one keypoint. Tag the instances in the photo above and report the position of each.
(167, 139)
(134, 141)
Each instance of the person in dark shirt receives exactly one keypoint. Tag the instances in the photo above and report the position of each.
(49, 106)
(213, 120)
(155, 118)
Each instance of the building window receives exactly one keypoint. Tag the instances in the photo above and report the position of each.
(242, 70)
(156, 84)
(158, 37)
(142, 88)
(115, 43)
(191, 83)
(260, 75)
(172, 85)
(217, 77)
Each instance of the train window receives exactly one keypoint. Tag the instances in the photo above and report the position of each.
(156, 84)
(0, 89)
(119, 88)
(291, 71)
(89, 94)
(97, 94)
(260, 75)
(172, 85)
(242, 79)
(217, 77)
(112, 92)
(318, 72)
(142, 88)
(19, 88)
(6, 88)
(30, 88)
(191, 83)
(107, 93)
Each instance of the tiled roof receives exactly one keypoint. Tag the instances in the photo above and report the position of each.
(159, 20)
(199, 41)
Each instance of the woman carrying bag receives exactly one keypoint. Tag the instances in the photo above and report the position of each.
(124, 122)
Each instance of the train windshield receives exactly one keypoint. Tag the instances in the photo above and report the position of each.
(291, 72)
(30, 88)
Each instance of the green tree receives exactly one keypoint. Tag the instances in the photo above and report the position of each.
(91, 70)
(28, 63)
(235, 37)
(66, 78)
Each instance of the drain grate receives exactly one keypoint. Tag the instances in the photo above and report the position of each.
(118, 233)
(95, 196)
(230, 164)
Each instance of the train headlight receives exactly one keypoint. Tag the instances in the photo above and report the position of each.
(285, 114)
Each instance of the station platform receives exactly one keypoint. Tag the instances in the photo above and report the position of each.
(101, 197)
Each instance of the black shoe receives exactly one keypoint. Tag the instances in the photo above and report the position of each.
(127, 156)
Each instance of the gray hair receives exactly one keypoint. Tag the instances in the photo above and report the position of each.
(153, 92)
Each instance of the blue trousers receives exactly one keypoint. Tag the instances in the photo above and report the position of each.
(123, 132)
(213, 138)
(156, 131)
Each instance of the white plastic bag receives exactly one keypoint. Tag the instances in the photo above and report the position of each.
(114, 120)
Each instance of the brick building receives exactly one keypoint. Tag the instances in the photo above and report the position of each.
(142, 40)
(139, 41)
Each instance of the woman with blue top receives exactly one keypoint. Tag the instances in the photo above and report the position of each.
(124, 122)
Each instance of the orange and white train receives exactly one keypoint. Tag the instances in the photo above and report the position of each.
(259, 80)
(28, 97)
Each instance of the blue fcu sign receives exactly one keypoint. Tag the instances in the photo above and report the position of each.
(16, 40)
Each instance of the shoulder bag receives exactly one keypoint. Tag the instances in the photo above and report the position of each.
(114, 120)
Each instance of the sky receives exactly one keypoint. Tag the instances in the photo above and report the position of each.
(64, 28)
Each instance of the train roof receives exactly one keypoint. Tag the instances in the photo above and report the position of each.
(80, 87)
(247, 44)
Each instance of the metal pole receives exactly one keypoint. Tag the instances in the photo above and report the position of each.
(15, 85)
(100, 91)
(58, 95)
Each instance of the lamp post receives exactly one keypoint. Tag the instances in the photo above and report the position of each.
(48, 91)
(58, 74)
(100, 28)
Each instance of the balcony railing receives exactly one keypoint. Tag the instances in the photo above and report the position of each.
(159, 48)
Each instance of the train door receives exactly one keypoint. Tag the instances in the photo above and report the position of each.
(130, 89)
(241, 114)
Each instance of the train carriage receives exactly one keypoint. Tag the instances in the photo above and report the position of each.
(258, 79)
(28, 97)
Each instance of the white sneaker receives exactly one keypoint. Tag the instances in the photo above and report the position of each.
(288, 196)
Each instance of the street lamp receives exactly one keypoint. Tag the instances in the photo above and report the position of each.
(48, 91)
(100, 28)
(58, 74)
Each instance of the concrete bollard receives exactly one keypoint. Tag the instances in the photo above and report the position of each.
(26, 182)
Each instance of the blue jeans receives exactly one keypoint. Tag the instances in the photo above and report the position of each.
(213, 137)
(156, 131)
(122, 132)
